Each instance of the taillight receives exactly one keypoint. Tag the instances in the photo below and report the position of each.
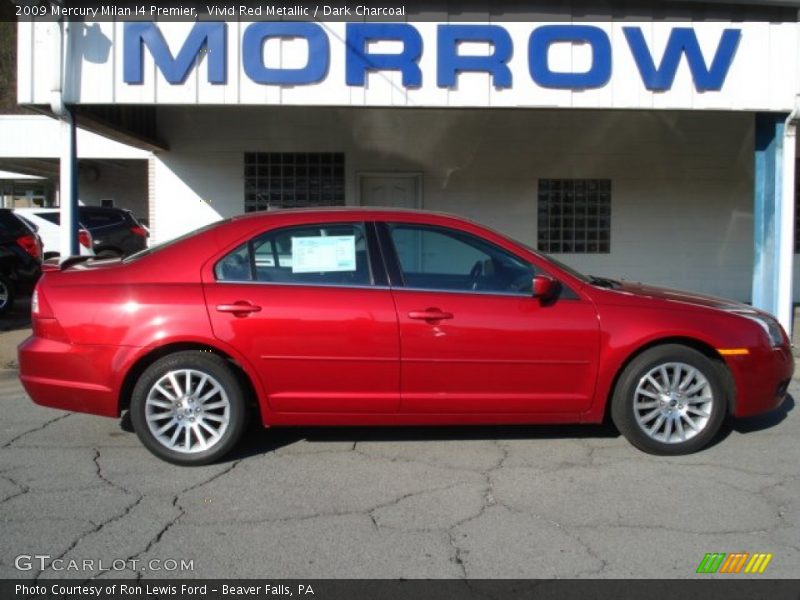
(39, 305)
(136, 230)
(30, 244)
(84, 238)
(43, 321)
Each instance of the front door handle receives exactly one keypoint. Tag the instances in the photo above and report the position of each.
(429, 314)
(240, 308)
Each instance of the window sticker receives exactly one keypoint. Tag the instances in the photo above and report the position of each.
(323, 254)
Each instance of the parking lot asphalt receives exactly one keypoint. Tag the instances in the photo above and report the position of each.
(528, 502)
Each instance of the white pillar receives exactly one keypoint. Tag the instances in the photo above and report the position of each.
(786, 216)
(68, 188)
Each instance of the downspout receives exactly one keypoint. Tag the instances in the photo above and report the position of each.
(68, 188)
(786, 216)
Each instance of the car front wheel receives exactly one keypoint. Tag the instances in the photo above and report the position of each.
(670, 400)
(188, 408)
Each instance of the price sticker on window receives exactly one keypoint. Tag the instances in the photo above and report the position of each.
(323, 254)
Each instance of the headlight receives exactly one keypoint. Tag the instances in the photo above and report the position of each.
(770, 326)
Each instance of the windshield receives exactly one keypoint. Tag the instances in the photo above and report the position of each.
(564, 267)
(168, 243)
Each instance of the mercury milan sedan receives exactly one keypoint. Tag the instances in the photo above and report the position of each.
(386, 317)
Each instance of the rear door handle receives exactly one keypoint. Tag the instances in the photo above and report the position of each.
(429, 314)
(240, 307)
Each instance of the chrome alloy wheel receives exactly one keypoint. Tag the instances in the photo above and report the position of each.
(673, 402)
(187, 411)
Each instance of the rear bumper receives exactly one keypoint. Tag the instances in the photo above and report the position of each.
(70, 377)
(762, 379)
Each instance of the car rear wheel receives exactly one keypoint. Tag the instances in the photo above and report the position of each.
(188, 408)
(670, 400)
(6, 295)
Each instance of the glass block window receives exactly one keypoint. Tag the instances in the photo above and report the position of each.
(293, 180)
(574, 216)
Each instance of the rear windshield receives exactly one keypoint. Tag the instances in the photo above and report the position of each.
(9, 223)
(101, 218)
(168, 243)
(54, 217)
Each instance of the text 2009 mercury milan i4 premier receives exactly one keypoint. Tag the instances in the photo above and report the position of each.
(386, 317)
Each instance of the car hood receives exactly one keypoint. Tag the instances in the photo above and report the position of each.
(679, 296)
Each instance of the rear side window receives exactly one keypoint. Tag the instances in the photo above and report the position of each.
(333, 254)
(53, 217)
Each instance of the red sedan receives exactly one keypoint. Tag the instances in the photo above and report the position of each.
(381, 317)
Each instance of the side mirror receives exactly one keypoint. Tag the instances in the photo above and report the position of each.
(544, 287)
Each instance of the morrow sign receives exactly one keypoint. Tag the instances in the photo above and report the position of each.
(209, 40)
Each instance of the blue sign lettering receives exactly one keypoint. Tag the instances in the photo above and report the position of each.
(206, 38)
(539, 46)
(683, 40)
(451, 63)
(257, 34)
(359, 61)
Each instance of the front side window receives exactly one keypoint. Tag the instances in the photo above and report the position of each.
(437, 258)
(333, 254)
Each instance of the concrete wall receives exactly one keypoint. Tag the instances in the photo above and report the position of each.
(681, 181)
(124, 181)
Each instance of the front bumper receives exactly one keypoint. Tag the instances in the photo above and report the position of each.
(762, 379)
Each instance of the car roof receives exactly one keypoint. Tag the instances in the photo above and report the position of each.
(365, 212)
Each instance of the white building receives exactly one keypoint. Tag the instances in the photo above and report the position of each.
(110, 173)
(660, 149)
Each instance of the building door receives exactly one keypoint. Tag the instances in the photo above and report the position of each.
(392, 190)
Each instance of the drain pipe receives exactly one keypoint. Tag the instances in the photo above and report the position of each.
(68, 162)
(786, 216)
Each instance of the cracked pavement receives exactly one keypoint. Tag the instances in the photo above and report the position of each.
(538, 502)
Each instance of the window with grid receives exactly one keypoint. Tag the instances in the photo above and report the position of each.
(574, 216)
(293, 179)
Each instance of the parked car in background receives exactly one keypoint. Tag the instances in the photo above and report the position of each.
(20, 259)
(115, 231)
(386, 317)
(48, 224)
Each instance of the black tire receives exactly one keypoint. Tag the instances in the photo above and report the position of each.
(206, 363)
(625, 407)
(7, 294)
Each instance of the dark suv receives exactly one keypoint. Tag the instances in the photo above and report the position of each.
(20, 258)
(115, 231)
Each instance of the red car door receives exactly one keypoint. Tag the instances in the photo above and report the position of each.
(303, 304)
(473, 339)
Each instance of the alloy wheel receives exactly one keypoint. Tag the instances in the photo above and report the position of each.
(673, 402)
(187, 411)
